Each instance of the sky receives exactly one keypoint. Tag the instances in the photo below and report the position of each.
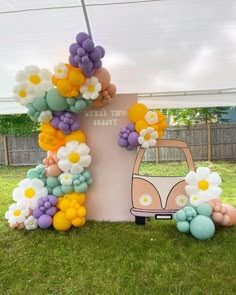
(154, 46)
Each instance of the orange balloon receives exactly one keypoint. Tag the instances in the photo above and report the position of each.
(111, 89)
(60, 222)
(140, 125)
(137, 112)
(76, 135)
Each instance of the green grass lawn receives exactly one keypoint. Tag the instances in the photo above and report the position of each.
(116, 258)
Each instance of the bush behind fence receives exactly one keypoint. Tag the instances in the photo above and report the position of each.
(214, 142)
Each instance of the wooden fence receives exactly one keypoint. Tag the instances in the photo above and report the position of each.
(206, 142)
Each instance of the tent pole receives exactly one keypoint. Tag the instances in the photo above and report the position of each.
(86, 18)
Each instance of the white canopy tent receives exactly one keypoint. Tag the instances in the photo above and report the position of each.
(173, 51)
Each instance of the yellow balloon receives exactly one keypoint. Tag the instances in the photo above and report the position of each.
(80, 198)
(76, 135)
(76, 77)
(65, 205)
(77, 221)
(71, 213)
(60, 222)
(64, 87)
(81, 211)
(140, 125)
(137, 112)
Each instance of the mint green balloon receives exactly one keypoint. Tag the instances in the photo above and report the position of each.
(67, 189)
(204, 209)
(183, 226)
(52, 181)
(57, 191)
(180, 216)
(40, 104)
(202, 227)
(56, 101)
(81, 188)
(32, 173)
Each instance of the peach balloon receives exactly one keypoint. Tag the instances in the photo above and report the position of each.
(103, 77)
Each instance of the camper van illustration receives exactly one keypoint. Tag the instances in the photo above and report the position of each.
(158, 196)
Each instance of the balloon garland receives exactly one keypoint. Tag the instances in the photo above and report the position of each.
(144, 129)
(205, 209)
(53, 194)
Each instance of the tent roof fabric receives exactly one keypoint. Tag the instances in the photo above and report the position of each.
(151, 46)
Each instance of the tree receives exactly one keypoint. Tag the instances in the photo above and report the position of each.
(19, 125)
(198, 115)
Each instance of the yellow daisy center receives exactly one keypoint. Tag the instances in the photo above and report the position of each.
(35, 79)
(22, 93)
(66, 177)
(181, 200)
(74, 157)
(17, 212)
(91, 88)
(29, 193)
(195, 198)
(203, 185)
(59, 70)
(147, 136)
(145, 200)
(152, 115)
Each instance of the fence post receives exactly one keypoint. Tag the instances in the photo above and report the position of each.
(5, 147)
(209, 142)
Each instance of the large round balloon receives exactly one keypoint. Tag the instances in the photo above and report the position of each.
(137, 112)
(103, 77)
(56, 101)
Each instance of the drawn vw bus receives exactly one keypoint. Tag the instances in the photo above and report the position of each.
(156, 196)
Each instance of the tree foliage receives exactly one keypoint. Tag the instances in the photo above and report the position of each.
(191, 116)
(18, 125)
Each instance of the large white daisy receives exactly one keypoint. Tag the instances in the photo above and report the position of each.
(24, 93)
(91, 88)
(29, 191)
(203, 184)
(74, 157)
(36, 77)
(17, 213)
(148, 137)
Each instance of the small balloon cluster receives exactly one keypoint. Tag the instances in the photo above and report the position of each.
(53, 194)
(205, 209)
(145, 127)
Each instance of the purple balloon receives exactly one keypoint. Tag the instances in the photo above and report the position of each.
(122, 142)
(73, 48)
(131, 127)
(51, 211)
(130, 147)
(37, 213)
(88, 45)
(85, 59)
(40, 202)
(81, 51)
(53, 200)
(95, 55)
(133, 138)
(81, 37)
(72, 61)
(75, 126)
(97, 65)
(102, 50)
(47, 205)
(45, 221)
(55, 121)
(63, 126)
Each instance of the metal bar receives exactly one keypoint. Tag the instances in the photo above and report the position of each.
(86, 18)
